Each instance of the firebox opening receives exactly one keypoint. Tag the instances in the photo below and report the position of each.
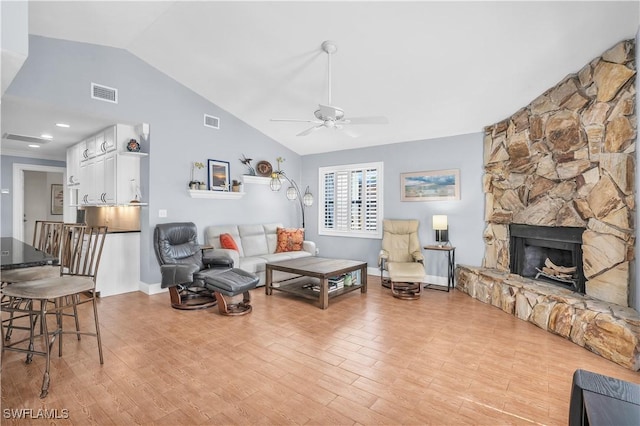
(552, 254)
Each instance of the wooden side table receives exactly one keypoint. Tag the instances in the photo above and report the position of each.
(451, 264)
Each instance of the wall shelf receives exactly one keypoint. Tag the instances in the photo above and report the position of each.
(222, 195)
(134, 154)
(260, 180)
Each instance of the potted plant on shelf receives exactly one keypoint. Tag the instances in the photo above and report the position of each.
(193, 183)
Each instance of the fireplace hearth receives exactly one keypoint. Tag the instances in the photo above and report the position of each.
(542, 252)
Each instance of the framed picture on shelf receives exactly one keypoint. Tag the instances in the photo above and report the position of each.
(219, 175)
(435, 185)
(57, 199)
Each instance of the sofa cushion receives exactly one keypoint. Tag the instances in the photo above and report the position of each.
(254, 240)
(212, 236)
(289, 239)
(252, 264)
(227, 242)
(271, 231)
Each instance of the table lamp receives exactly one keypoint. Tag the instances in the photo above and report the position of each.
(441, 227)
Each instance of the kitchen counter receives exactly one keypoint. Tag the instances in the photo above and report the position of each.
(120, 231)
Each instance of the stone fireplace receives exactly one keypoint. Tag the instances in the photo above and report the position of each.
(559, 188)
(568, 160)
(533, 249)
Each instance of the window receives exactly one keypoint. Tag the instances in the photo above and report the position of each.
(351, 200)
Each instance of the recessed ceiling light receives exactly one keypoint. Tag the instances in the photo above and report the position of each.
(66, 126)
(45, 136)
(32, 145)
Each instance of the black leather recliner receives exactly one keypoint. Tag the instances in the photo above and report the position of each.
(183, 267)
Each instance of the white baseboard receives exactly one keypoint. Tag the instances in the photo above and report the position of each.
(151, 289)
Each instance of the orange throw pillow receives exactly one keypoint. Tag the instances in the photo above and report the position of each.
(227, 242)
(289, 239)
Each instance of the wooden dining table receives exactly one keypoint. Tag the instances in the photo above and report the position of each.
(17, 254)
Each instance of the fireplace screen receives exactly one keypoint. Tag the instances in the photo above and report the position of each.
(552, 254)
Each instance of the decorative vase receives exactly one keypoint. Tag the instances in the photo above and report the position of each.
(202, 186)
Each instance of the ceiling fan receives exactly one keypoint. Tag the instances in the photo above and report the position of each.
(330, 116)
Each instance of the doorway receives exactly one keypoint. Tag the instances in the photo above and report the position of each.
(42, 197)
(23, 201)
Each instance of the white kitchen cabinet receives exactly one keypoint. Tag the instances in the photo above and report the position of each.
(106, 141)
(98, 179)
(119, 270)
(88, 148)
(73, 165)
(102, 168)
(87, 191)
(121, 173)
(107, 179)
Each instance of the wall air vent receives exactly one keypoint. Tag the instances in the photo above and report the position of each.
(104, 93)
(211, 121)
(23, 138)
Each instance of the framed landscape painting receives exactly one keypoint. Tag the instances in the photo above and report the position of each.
(57, 199)
(218, 175)
(436, 185)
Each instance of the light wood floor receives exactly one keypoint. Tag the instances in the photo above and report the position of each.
(368, 359)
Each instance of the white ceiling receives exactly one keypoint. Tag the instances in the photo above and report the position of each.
(433, 69)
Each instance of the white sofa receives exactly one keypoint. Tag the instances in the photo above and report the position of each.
(256, 246)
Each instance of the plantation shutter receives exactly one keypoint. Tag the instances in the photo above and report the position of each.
(351, 200)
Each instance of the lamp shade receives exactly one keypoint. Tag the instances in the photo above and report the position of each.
(440, 222)
(307, 198)
(275, 183)
(291, 193)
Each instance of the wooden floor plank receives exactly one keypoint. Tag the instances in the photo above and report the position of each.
(368, 359)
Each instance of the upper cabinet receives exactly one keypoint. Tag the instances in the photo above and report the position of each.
(106, 140)
(103, 170)
(73, 165)
(113, 138)
(88, 148)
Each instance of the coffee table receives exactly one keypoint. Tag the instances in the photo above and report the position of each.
(316, 271)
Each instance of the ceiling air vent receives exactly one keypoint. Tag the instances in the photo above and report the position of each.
(211, 121)
(104, 93)
(23, 138)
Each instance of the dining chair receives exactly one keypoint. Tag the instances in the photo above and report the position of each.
(46, 238)
(80, 252)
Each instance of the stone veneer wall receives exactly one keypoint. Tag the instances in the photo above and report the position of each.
(568, 159)
(607, 329)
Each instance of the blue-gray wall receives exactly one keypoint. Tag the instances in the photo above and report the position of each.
(178, 138)
(6, 182)
(465, 216)
(60, 72)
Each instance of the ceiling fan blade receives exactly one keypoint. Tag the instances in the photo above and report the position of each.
(309, 130)
(296, 120)
(347, 131)
(367, 120)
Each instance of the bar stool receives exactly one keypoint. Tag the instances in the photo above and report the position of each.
(81, 249)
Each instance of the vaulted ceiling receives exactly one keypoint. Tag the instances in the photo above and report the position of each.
(433, 69)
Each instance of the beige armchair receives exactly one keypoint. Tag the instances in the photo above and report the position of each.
(402, 258)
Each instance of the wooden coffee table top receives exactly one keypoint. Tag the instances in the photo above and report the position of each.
(315, 266)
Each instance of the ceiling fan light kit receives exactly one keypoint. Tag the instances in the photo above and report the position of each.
(330, 116)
